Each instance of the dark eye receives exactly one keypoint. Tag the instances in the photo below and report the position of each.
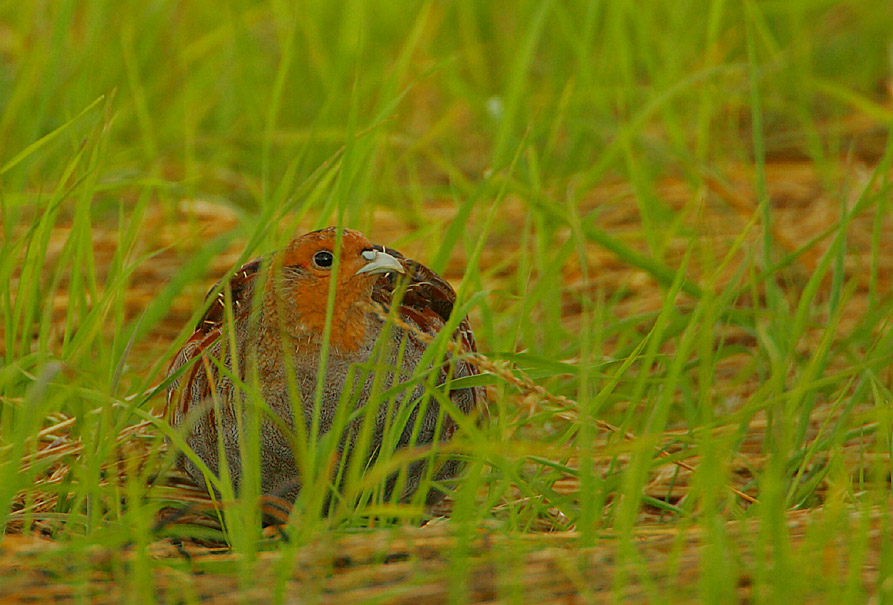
(323, 259)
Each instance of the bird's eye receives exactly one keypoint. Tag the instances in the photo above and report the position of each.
(323, 259)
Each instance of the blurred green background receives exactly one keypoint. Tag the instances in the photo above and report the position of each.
(224, 97)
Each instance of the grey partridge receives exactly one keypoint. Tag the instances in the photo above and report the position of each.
(274, 338)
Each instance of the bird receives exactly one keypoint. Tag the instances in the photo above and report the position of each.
(267, 327)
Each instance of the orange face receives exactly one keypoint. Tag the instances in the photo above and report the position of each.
(305, 268)
(313, 255)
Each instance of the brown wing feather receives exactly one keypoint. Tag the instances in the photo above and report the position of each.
(428, 297)
(185, 390)
(241, 285)
(428, 302)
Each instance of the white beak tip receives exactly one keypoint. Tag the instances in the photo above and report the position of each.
(380, 262)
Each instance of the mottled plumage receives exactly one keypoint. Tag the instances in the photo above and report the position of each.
(289, 315)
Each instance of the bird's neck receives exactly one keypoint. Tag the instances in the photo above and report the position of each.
(303, 319)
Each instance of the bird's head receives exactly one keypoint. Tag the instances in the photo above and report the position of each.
(302, 274)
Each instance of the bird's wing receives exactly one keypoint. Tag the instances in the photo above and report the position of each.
(207, 331)
(428, 301)
(241, 286)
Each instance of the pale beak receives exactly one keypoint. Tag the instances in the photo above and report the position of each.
(380, 262)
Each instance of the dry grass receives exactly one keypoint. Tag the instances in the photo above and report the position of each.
(411, 564)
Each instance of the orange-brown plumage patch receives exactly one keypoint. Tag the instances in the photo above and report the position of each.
(303, 290)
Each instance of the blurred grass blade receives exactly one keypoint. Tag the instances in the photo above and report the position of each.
(48, 138)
